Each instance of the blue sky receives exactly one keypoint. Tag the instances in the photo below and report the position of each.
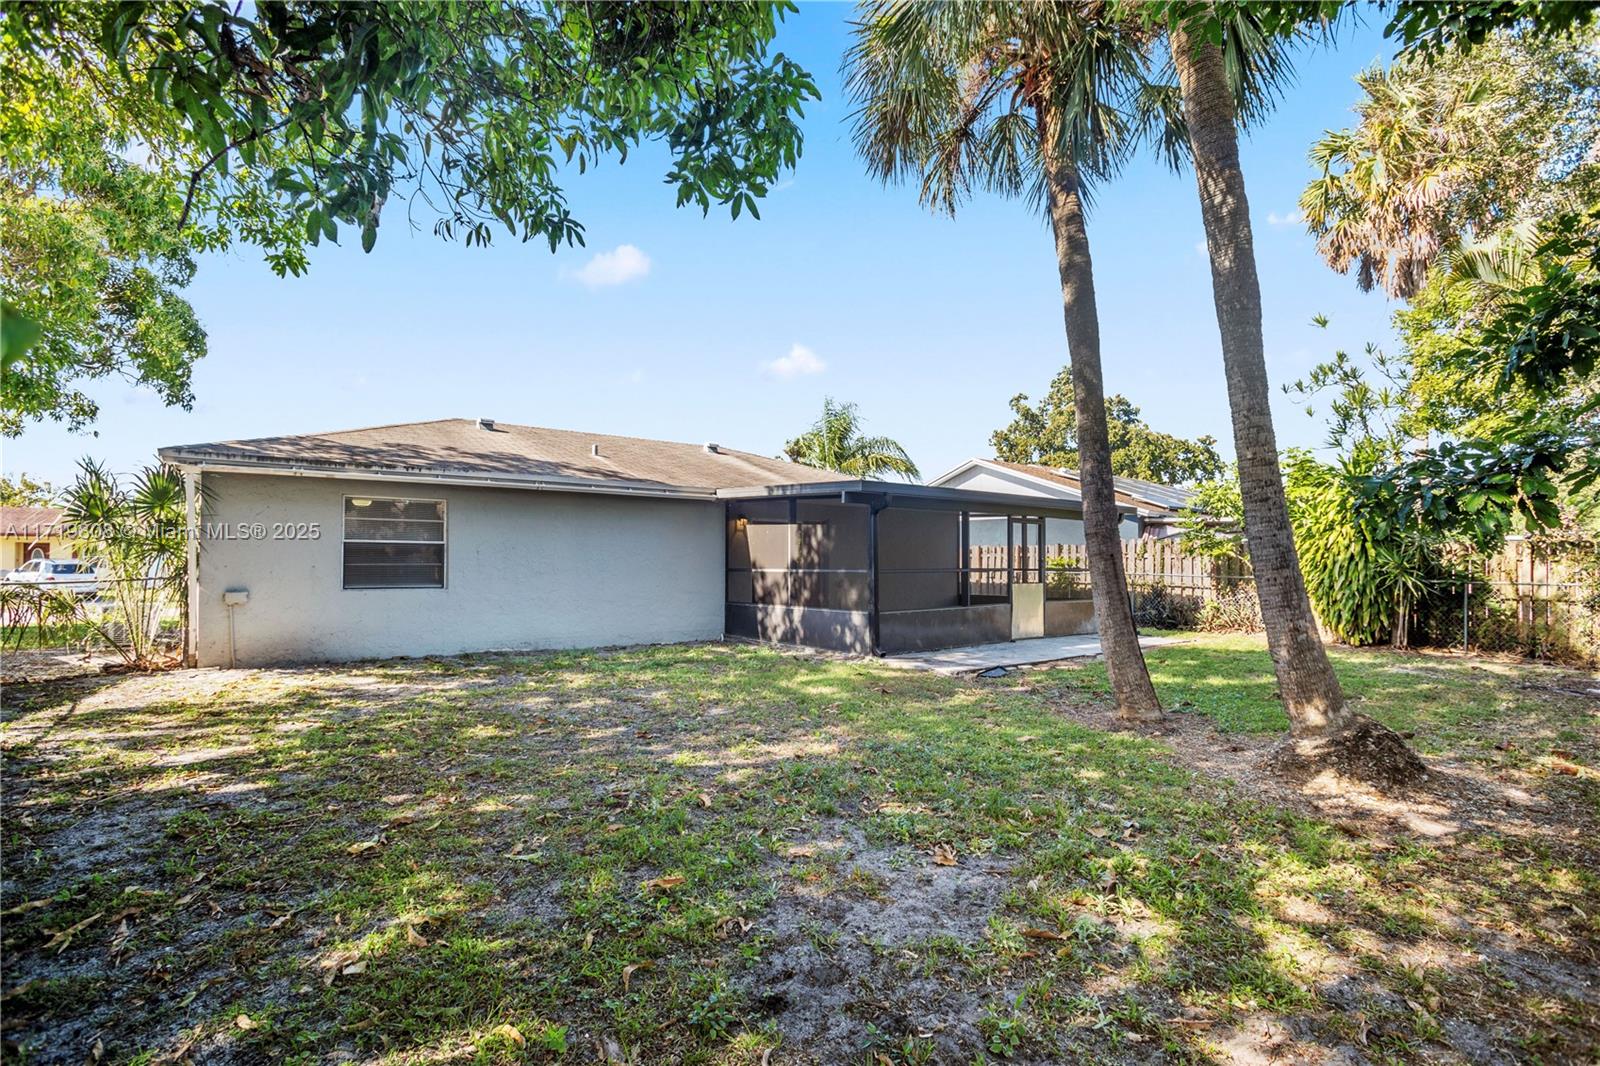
(930, 324)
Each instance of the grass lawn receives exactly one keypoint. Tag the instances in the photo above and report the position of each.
(736, 855)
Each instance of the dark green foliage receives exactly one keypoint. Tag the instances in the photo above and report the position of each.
(1047, 433)
(1548, 331)
(277, 124)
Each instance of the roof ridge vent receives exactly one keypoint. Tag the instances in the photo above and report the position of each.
(713, 449)
(486, 423)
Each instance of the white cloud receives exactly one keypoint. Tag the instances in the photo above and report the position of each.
(800, 360)
(1288, 218)
(622, 264)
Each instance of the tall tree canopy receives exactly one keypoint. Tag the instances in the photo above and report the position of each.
(835, 442)
(1456, 146)
(136, 134)
(1047, 433)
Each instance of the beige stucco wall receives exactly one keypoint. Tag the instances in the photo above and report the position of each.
(524, 570)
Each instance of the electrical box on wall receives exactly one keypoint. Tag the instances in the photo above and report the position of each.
(236, 597)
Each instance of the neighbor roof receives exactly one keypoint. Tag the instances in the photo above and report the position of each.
(455, 449)
(36, 522)
(1149, 497)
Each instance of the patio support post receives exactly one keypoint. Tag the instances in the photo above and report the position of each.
(875, 647)
(964, 563)
(1011, 556)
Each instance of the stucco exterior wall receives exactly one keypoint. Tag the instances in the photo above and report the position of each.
(524, 570)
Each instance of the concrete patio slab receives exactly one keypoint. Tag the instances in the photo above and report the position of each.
(979, 657)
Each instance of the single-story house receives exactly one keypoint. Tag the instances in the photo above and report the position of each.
(1154, 511)
(28, 533)
(471, 535)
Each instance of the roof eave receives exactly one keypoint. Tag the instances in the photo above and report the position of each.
(921, 495)
(527, 482)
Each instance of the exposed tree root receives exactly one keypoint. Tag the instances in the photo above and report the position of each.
(1363, 750)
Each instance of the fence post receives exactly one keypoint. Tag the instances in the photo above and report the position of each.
(1466, 599)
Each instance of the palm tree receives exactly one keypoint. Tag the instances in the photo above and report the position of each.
(1309, 689)
(136, 539)
(834, 442)
(1020, 99)
(1451, 151)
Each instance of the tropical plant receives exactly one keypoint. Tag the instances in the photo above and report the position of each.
(1031, 100)
(278, 124)
(136, 535)
(1452, 149)
(1213, 522)
(1364, 570)
(835, 442)
(1047, 433)
(1534, 350)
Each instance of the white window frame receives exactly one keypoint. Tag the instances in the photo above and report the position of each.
(344, 542)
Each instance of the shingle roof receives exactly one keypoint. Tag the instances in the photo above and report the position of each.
(463, 447)
(1145, 495)
(37, 522)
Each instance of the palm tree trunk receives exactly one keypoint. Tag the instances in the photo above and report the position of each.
(1119, 639)
(1310, 691)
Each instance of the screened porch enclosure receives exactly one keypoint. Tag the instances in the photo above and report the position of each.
(901, 569)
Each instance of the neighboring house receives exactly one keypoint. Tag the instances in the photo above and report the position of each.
(462, 535)
(1156, 509)
(32, 533)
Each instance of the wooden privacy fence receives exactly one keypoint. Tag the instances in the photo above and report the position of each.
(1148, 563)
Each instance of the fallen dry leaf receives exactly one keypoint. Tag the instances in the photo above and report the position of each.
(633, 968)
(415, 938)
(332, 964)
(355, 968)
(64, 938)
(245, 1022)
(1042, 934)
(511, 1033)
(663, 883)
(119, 942)
(730, 923)
(945, 855)
(32, 904)
(801, 851)
(705, 799)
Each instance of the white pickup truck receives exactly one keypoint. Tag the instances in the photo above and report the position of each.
(56, 575)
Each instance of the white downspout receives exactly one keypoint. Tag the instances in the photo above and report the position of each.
(191, 510)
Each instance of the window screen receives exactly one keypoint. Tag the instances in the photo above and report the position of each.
(393, 544)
